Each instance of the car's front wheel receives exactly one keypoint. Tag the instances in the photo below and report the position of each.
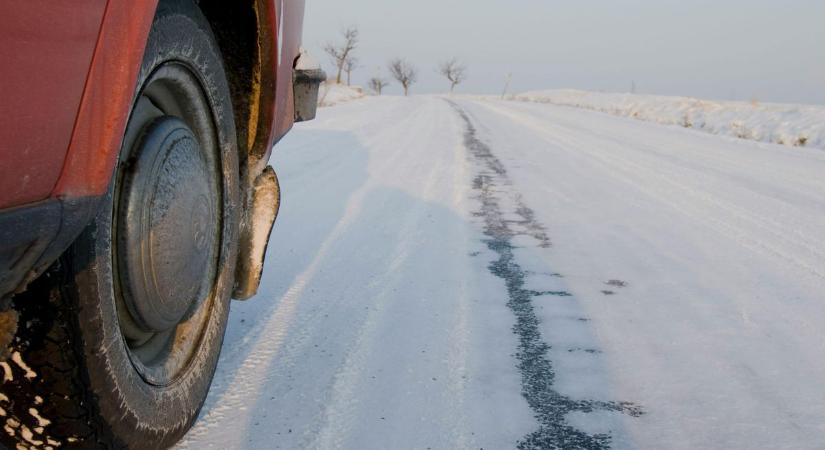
(119, 341)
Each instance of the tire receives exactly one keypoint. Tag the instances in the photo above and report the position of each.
(92, 365)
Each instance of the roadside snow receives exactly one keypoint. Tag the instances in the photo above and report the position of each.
(785, 124)
(331, 94)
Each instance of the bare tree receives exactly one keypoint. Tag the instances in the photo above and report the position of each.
(404, 73)
(378, 84)
(506, 85)
(339, 53)
(454, 71)
(350, 64)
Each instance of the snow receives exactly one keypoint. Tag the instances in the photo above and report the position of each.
(306, 61)
(718, 334)
(18, 359)
(331, 93)
(41, 421)
(368, 331)
(382, 321)
(786, 124)
(8, 375)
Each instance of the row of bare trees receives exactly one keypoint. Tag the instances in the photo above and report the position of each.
(342, 55)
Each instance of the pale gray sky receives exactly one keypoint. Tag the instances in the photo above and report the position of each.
(770, 50)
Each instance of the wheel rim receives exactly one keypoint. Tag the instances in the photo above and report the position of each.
(167, 224)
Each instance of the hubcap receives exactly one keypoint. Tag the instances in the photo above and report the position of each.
(167, 226)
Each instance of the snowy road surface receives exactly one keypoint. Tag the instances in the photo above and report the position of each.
(453, 274)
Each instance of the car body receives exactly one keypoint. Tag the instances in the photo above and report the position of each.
(136, 201)
(67, 83)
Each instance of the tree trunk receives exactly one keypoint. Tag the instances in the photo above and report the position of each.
(406, 89)
(338, 77)
(348, 76)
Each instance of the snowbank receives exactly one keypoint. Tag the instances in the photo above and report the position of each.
(331, 94)
(785, 124)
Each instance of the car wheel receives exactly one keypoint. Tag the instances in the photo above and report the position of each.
(119, 340)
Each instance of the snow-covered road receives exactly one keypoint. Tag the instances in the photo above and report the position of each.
(457, 273)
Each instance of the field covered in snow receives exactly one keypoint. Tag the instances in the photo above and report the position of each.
(784, 124)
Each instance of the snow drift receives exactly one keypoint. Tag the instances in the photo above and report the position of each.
(331, 94)
(785, 124)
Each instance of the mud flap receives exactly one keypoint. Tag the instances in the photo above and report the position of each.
(257, 224)
(307, 78)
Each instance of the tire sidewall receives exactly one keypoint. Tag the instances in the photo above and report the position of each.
(151, 416)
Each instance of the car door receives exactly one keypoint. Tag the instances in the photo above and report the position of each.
(46, 48)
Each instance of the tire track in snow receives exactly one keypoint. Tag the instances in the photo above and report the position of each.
(538, 376)
(341, 412)
(275, 337)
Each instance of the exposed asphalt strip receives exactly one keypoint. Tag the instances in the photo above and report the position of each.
(537, 375)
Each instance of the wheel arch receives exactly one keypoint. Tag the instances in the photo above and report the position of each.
(245, 32)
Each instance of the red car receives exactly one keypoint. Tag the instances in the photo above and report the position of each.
(135, 201)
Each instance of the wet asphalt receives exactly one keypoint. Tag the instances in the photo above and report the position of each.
(550, 407)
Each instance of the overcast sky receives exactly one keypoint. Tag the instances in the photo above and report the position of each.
(769, 50)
